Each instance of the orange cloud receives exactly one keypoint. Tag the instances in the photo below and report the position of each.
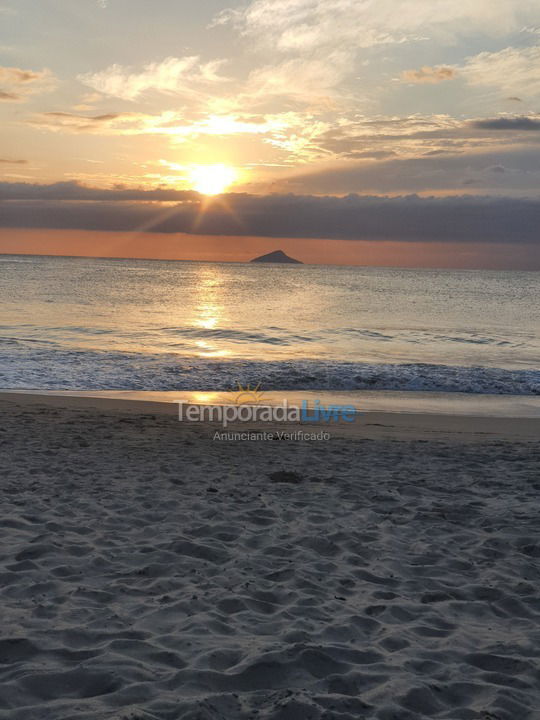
(428, 75)
(17, 84)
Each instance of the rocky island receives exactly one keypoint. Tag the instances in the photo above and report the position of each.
(277, 256)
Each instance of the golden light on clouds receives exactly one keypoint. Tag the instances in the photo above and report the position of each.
(255, 105)
(212, 179)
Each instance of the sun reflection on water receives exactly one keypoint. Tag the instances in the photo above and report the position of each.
(209, 310)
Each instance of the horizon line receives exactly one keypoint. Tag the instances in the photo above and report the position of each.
(249, 262)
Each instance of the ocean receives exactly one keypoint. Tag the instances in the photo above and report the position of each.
(90, 323)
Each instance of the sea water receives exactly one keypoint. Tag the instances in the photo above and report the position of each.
(91, 323)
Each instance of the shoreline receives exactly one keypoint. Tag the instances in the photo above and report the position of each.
(389, 401)
(520, 423)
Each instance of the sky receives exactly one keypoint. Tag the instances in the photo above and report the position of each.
(385, 132)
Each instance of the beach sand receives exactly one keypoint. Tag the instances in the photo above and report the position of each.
(148, 571)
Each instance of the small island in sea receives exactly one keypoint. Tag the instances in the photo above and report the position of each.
(277, 256)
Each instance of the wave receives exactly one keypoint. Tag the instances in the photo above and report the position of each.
(46, 369)
(286, 338)
(270, 335)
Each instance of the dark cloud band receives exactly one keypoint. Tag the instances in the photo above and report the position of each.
(354, 217)
(507, 123)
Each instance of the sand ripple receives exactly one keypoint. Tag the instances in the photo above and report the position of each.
(147, 572)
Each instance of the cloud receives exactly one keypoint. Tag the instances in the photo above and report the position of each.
(508, 123)
(428, 75)
(273, 129)
(375, 137)
(17, 84)
(513, 70)
(80, 123)
(121, 123)
(300, 33)
(173, 76)
(412, 138)
(371, 154)
(331, 35)
(427, 174)
(304, 25)
(413, 153)
(70, 190)
(87, 102)
(408, 218)
(9, 161)
(298, 78)
(309, 25)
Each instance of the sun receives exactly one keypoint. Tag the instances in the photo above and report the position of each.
(211, 179)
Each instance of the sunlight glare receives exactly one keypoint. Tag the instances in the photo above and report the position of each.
(211, 179)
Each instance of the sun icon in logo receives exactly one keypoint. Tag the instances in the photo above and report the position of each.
(249, 395)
